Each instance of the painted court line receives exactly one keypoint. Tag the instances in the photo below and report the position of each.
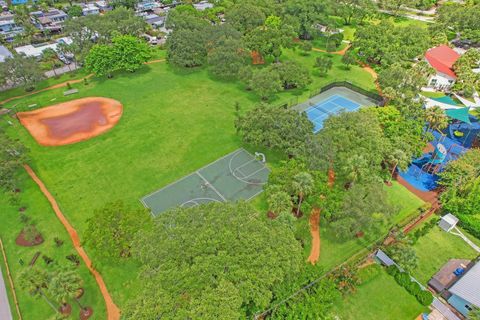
(211, 186)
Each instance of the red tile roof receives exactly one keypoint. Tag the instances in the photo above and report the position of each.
(442, 58)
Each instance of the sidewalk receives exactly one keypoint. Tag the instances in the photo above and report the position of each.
(5, 312)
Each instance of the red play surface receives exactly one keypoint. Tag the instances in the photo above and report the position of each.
(72, 121)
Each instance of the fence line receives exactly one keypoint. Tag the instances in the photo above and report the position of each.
(10, 280)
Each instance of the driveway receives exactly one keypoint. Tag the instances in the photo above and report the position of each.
(5, 312)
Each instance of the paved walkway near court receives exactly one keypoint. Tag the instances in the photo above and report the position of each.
(113, 312)
(5, 312)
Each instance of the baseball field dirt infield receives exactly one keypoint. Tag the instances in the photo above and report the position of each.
(72, 121)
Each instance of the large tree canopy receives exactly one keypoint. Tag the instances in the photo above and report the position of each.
(385, 43)
(276, 128)
(213, 261)
(462, 18)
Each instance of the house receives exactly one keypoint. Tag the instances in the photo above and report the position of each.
(154, 20)
(148, 5)
(203, 5)
(90, 9)
(37, 50)
(458, 282)
(442, 59)
(103, 6)
(465, 293)
(51, 20)
(4, 54)
(15, 2)
(8, 28)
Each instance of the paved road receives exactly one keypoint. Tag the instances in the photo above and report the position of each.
(5, 312)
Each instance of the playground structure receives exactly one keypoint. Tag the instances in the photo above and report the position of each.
(447, 145)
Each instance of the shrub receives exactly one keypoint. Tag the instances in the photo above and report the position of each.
(413, 288)
(425, 298)
(402, 278)
(58, 241)
(392, 270)
(74, 259)
(47, 259)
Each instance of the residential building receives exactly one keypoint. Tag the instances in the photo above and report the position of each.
(154, 20)
(147, 5)
(103, 6)
(51, 20)
(4, 54)
(8, 28)
(37, 50)
(466, 291)
(90, 9)
(203, 5)
(442, 59)
(458, 282)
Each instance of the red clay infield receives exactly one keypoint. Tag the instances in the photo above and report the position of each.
(72, 121)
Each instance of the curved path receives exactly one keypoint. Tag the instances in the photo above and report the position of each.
(113, 312)
(341, 52)
(63, 84)
(315, 232)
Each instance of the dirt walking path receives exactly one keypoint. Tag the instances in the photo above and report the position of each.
(341, 52)
(63, 84)
(113, 312)
(315, 232)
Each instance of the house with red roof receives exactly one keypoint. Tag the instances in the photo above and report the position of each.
(442, 59)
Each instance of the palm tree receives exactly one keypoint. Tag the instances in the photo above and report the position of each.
(436, 118)
(35, 282)
(66, 284)
(279, 202)
(302, 185)
(50, 56)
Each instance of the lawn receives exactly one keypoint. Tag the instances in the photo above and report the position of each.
(406, 202)
(378, 297)
(174, 122)
(19, 257)
(436, 248)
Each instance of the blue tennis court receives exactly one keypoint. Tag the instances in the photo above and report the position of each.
(319, 112)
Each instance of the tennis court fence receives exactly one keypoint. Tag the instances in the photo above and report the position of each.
(375, 96)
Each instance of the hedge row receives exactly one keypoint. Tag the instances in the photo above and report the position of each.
(471, 223)
(403, 279)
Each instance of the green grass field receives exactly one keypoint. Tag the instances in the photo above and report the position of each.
(174, 122)
(378, 297)
(436, 248)
(39, 210)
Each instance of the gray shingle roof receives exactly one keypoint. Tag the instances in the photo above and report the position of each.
(468, 287)
(4, 53)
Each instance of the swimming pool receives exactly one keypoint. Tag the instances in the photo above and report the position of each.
(319, 112)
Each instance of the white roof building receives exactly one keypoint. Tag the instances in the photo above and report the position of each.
(448, 222)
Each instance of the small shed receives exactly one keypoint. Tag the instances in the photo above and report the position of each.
(384, 258)
(448, 222)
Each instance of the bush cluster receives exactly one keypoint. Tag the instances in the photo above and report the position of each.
(403, 279)
(424, 230)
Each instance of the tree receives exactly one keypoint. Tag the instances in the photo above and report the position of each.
(354, 9)
(365, 209)
(35, 281)
(292, 74)
(101, 60)
(65, 284)
(305, 16)
(323, 64)
(395, 5)
(21, 71)
(270, 38)
(276, 128)
(302, 185)
(129, 4)
(436, 118)
(354, 145)
(227, 58)
(186, 48)
(279, 202)
(246, 256)
(474, 314)
(50, 56)
(111, 229)
(245, 17)
(266, 82)
(467, 80)
(13, 154)
(75, 11)
(306, 47)
(462, 19)
(348, 59)
(130, 52)
(403, 253)
(385, 43)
